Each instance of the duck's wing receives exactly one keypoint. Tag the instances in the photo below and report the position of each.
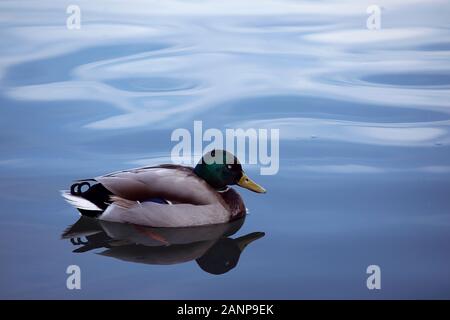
(176, 184)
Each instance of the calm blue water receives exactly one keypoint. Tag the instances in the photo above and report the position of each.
(364, 145)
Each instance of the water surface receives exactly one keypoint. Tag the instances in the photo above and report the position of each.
(364, 144)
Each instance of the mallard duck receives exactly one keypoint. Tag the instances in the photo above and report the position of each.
(167, 195)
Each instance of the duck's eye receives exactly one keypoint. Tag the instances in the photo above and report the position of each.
(230, 166)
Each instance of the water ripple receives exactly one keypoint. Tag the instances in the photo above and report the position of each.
(310, 68)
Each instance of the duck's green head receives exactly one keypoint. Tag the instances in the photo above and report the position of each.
(221, 169)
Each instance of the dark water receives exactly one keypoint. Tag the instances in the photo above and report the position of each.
(364, 146)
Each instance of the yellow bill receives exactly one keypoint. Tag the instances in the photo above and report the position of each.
(247, 183)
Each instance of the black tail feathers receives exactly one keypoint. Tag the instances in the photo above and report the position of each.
(97, 194)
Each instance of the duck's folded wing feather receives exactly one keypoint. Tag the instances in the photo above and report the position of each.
(174, 183)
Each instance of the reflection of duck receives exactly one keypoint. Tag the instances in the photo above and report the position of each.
(167, 195)
(211, 246)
